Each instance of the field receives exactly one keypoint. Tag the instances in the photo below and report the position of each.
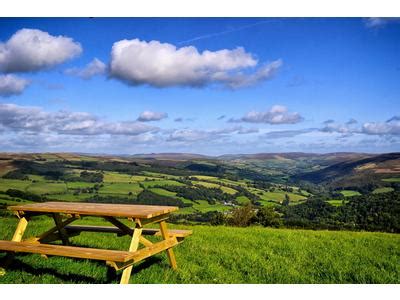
(260, 255)
(383, 190)
(349, 193)
(394, 179)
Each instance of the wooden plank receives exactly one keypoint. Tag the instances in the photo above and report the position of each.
(174, 232)
(112, 229)
(126, 274)
(20, 230)
(97, 209)
(125, 229)
(50, 232)
(155, 219)
(170, 252)
(89, 228)
(144, 253)
(145, 241)
(68, 251)
(59, 224)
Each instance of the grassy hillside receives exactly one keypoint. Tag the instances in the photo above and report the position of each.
(226, 255)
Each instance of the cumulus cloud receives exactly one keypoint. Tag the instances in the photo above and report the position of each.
(32, 50)
(379, 22)
(148, 116)
(12, 85)
(35, 120)
(278, 114)
(390, 127)
(159, 64)
(95, 67)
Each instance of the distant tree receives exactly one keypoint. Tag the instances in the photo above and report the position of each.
(286, 201)
(267, 216)
(242, 216)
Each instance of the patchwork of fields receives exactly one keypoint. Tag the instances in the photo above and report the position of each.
(117, 184)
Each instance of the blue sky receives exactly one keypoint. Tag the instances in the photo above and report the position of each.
(201, 85)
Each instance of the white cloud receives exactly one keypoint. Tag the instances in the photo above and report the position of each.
(95, 67)
(32, 50)
(379, 22)
(159, 64)
(278, 114)
(35, 120)
(195, 135)
(390, 127)
(12, 85)
(148, 116)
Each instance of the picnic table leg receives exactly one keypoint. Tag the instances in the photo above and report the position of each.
(137, 232)
(17, 237)
(170, 252)
(61, 230)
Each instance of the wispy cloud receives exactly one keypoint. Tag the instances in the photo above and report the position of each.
(216, 34)
(380, 22)
(95, 67)
(35, 120)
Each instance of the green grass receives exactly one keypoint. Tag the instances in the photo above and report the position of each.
(224, 255)
(383, 190)
(42, 188)
(116, 177)
(120, 188)
(36, 178)
(162, 192)
(277, 195)
(152, 183)
(69, 197)
(79, 185)
(349, 193)
(336, 202)
(242, 199)
(215, 185)
(6, 184)
(204, 206)
(393, 179)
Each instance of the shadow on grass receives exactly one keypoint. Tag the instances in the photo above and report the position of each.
(111, 276)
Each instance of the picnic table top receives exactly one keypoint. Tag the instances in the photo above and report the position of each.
(97, 209)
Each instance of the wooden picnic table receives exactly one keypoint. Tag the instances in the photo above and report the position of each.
(64, 213)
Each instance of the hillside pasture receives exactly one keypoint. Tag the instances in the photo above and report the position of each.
(383, 190)
(116, 177)
(120, 188)
(43, 188)
(6, 184)
(219, 254)
(393, 179)
(152, 183)
(349, 193)
(73, 185)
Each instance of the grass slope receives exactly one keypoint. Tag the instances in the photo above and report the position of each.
(226, 255)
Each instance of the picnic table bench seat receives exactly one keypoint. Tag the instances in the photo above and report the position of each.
(178, 233)
(115, 258)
